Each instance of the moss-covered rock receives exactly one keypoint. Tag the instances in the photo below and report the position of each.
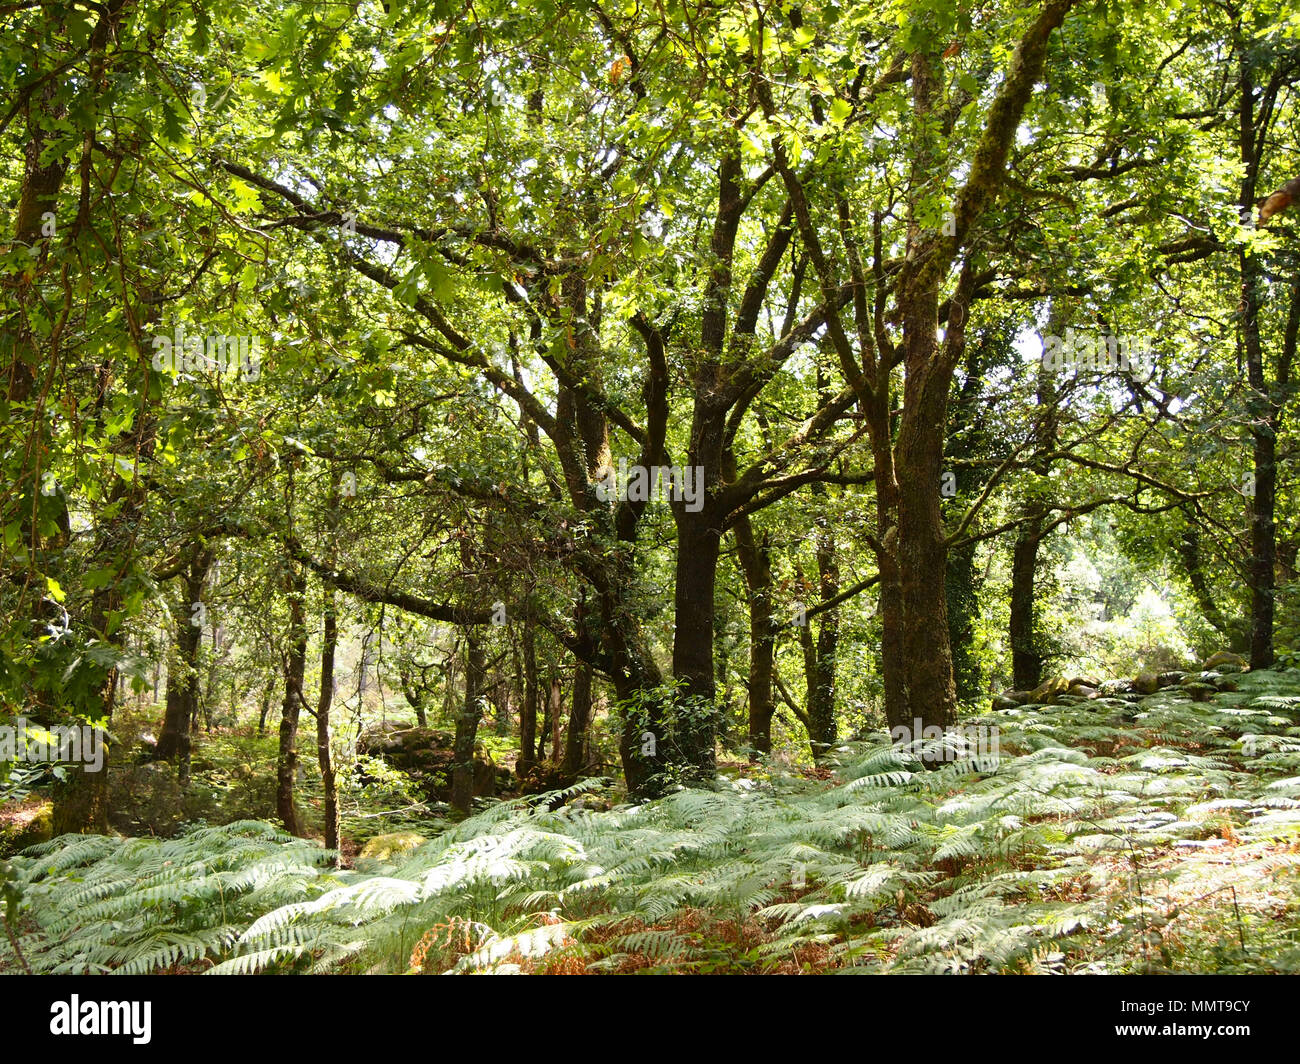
(386, 847)
(1225, 660)
(25, 825)
(427, 756)
(1047, 692)
(1146, 682)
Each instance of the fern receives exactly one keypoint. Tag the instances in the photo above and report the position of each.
(979, 866)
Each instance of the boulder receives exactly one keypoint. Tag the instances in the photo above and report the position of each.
(386, 847)
(427, 755)
(25, 825)
(1045, 693)
(1224, 660)
(1146, 682)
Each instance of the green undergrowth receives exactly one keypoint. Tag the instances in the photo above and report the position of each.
(1107, 836)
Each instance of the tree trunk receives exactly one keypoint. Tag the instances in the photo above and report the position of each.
(415, 699)
(1026, 654)
(266, 708)
(528, 709)
(286, 768)
(1189, 552)
(1263, 409)
(698, 544)
(182, 674)
(820, 654)
(462, 771)
(575, 744)
(922, 551)
(892, 666)
(324, 751)
(1262, 502)
(963, 610)
(756, 564)
(553, 716)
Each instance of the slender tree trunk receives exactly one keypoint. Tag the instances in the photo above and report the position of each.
(892, 664)
(820, 654)
(1189, 552)
(1026, 654)
(324, 750)
(266, 708)
(502, 699)
(462, 772)
(554, 715)
(963, 611)
(174, 741)
(1262, 408)
(528, 710)
(325, 699)
(416, 701)
(575, 743)
(756, 563)
(1263, 502)
(80, 800)
(295, 669)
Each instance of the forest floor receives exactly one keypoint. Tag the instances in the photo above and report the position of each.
(1125, 833)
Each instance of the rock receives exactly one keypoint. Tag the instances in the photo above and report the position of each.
(386, 847)
(1046, 692)
(391, 740)
(427, 756)
(25, 825)
(1006, 701)
(1225, 658)
(1169, 679)
(1146, 682)
(1082, 690)
(1113, 688)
